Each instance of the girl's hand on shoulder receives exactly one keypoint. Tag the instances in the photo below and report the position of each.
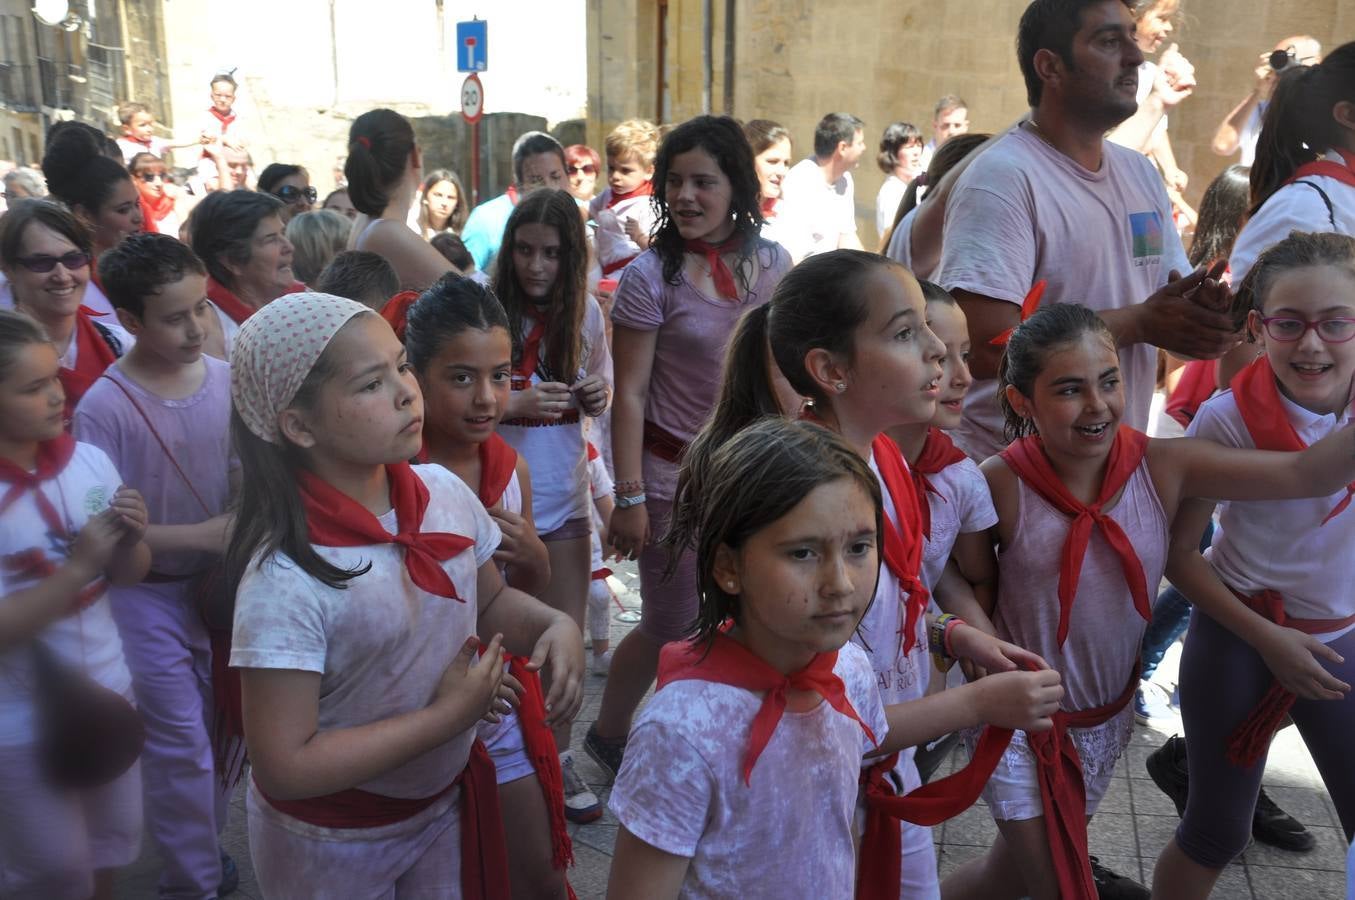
(547, 400)
(469, 688)
(592, 394)
(629, 531)
(131, 513)
(560, 648)
(1020, 700)
(96, 543)
(1292, 658)
(990, 653)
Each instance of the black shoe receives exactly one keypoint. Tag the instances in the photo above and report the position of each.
(1272, 825)
(1167, 767)
(1113, 886)
(230, 875)
(606, 752)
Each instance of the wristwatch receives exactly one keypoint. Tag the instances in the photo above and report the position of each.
(628, 502)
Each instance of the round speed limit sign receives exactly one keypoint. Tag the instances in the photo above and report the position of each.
(472, 98)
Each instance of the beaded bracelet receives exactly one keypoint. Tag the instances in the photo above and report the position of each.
(938, 640)
(628, 487)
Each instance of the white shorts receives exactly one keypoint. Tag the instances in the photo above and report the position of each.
(507, 748)
(52, 841)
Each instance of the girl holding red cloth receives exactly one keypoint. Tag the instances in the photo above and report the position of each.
(1084, 506)
(1273, 628)
(363, 583)
(45, 255)
(458, 343)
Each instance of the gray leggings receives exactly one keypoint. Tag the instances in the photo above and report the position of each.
(1222, 678)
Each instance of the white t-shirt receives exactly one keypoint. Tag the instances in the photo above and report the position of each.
(1023, 212)
(1282, 545)
(681, 787)
(381, 644)
(814, 215)
(887, 202)
(1251, 130)
(29, 552)
(1294, 207)
(610, 238)
(962, 507)
(900, 246)
(554, 450)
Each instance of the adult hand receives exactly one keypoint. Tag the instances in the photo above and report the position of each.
(560, 648)
(1188, 316)
(547, 400)
(1175, 78)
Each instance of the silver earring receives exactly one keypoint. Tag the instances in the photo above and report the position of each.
(729, 586)
(841, 386)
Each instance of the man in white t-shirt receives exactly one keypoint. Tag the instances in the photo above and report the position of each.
(818, 203)
(1053, 200)
(949, 119)
(1242, 126)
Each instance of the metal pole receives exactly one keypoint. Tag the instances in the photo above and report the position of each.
(475, 163)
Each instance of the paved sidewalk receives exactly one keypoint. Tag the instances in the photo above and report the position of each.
(1133, 825)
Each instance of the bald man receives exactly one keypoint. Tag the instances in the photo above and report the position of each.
(1241, 127)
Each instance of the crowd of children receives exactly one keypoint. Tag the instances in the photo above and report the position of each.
(336, 547)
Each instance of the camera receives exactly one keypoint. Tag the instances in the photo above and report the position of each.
(1279, 59)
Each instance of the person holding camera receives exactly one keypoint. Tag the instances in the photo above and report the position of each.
(1241, 127)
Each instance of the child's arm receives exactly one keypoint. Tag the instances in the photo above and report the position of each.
(1023, 700)
(293, 759)
(636, 231)
(605, 507)
(522, 551)
(1291, 655)
(644, 872)
(975, 562)
(208, 536)
(531, 628)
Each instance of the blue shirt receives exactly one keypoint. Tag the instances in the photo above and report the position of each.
(484, 230)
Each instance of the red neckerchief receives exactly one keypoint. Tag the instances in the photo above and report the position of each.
(145, 142)
(769, 208)
(1028, 307)
(226, 300)
(53, 457)
(337, 520)
(484, 853)
(646, 189)
(726, 661)
(530, 359)
(92, 357)
(720, 272)
(498, 462)
(1337, 167)
(1258, 401)
(224, 118)
(1026, 457)
(592, 451)
(154, 211)
(902, 540)
(396, 311)
(1196, 385)
(938, 453)
(512, 194)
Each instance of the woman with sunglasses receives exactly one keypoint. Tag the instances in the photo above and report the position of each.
(45, 255)
(442, 205)
(582, 165)
(290, 184)
(159, 198)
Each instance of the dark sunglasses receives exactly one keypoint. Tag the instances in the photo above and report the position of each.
(587, 169)
(148, 177)
(290, 193)
(43, 264)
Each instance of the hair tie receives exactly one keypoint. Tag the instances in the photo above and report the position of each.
(363, 140)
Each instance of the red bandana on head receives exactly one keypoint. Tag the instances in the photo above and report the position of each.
(1258, 400)
(1028, 307)
(1026, 457)
(903, 540)
(396, 311)
(938, 453)
(729, 662)
(336, 520)
(720, 272)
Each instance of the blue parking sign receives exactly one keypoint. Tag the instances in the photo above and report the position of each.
(472, 50)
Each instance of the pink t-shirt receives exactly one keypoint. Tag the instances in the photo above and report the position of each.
(1025, 212)
(689, 349)
(197, 431)
(681, 787)
(961, 505)
(381, 644)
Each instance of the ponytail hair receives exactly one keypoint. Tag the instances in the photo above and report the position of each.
(1052, 326)
(1298, 124)
(77, 170)
(379, 144)
(759, 475)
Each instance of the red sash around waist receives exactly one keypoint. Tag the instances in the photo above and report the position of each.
(663, 443)
(1250, 740)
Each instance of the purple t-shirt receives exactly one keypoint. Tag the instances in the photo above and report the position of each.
(693, 329)
(196, 430)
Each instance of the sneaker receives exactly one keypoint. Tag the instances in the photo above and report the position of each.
(606, 752)
(601, 665)
(1153, 705)
(1113, 886)
(230, 876)
(1167, 767)
(1272, 825)
(581, 804)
